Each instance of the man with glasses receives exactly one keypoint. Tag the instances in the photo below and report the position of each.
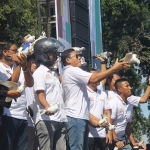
(74, 81)
(14, 129)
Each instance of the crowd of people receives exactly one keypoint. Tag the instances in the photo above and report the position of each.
(71, 111)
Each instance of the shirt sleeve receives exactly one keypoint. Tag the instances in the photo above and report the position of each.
(80, 76)
(113, 105)
(134, 100)
(107, 105)
(39, 81)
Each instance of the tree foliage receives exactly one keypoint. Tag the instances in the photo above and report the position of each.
(17, 19)
(125, 26)
(148, 128)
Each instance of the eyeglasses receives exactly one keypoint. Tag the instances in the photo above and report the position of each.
(14, 51)
(75, 56)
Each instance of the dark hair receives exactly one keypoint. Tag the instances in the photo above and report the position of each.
(29, 57)
(66, 54)
(118, 82)
(5, 45)
(112, 75)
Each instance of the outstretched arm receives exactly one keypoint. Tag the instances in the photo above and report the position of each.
(102, 75)
(146, 95)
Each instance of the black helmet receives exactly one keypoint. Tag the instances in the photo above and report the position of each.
(44, 47)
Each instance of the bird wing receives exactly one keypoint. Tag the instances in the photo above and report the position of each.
(128, 57)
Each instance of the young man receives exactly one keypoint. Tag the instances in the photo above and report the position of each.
(32, 137)
(134, 100)
(4, 91)
(99, 105)
(15, 125)
(74, 81)
(121, 116)
(50, 128)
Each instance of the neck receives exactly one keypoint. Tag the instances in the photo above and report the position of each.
(110, 89)
(124, 98)
(5, 61)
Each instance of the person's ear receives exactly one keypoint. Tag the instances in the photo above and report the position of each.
(4, 52)
(67, 60)
(120, 90)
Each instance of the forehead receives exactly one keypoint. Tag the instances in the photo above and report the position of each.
(13, 48)
(73, 53)
(125, 83)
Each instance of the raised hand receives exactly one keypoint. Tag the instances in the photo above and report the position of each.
(121, 65)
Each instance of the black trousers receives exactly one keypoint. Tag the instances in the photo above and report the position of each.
(98, 144)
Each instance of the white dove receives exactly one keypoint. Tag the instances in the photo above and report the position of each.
(52, 109)
(30, 38)
(104, 122)
(104, 55)
(131, 58)
(26, 51)
(83, 62)
(78, 49)
(43, 35)
(11, 85)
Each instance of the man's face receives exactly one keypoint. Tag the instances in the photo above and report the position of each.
(125, 89)
(32, 65)
(74, 60)
(53, 56)
(10, 52)
(112, 82)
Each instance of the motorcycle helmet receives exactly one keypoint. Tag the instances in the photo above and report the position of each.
(45, 47)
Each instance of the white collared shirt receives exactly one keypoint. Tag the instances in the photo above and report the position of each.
(134, 100)
(17, 109)
(98, 103)
(121, 114)
(74, 81)
(47, 80)
(29, 97)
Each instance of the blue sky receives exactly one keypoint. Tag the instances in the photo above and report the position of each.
(146, 113)
(145, 110)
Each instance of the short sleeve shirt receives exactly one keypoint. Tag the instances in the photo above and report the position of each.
(121, 114)
(19, 106)
(74, 81)
(47, 80)
(98, 103)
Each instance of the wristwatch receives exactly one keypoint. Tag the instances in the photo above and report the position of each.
(116, 140)
(104, 62)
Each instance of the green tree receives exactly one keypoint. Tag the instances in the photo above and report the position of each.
(125, 29)
(148, 128)
(17, 19)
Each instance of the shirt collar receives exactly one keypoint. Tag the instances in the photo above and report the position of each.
(66, 67)
(122, 100)
(45, 68)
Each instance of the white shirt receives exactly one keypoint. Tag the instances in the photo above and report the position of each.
(17, 109)
(74, 81)
(47, 80)
(29, 97)
(121, 114)
(98, 103)
(100, 86)
(134, 100)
